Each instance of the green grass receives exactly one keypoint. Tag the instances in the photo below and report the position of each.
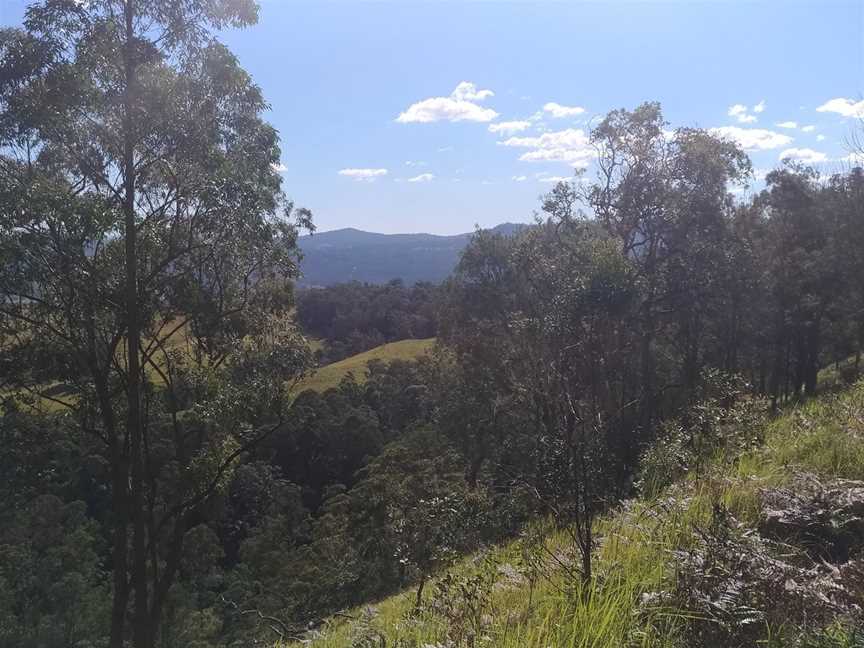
(824, 436)
(329, 375)
(179, 341)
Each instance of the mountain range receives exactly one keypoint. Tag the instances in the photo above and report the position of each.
(351, 254)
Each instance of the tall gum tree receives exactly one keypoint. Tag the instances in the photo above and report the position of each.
(141, 203)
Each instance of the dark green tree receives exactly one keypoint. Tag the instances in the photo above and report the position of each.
(140, 203)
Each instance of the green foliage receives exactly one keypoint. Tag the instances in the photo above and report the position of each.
(353, 317)
(53, 590)
(722, 421)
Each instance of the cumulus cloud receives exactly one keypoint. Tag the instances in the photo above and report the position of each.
(808, 129)
(554, 179)
(509, 127)
(415, 163)
(820, 138)
(368, 175)
(787, 124)
(520, 178)
(423, 177)
(467, 91)
(559, 111)
(570, 145)
(279, 168)
(805, 155)
(461, 105)
(844, 107)
(752, 139)
(740, 113)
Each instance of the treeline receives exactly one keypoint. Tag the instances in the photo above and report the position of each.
(354, 317)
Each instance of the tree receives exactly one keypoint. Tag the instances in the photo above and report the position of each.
(140, 204)
(664, 196)
(554, 325)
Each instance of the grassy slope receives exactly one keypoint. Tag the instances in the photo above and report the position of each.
(824, 436)
(330, 375)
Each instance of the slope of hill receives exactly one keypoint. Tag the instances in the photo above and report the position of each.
(330, 375)
(354, 255)
(756, 547)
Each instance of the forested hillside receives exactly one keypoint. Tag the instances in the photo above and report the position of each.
(346, 255)
(598, 430)
(349, 318)
(752, 547)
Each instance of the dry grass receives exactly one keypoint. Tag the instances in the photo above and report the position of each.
(329, 375)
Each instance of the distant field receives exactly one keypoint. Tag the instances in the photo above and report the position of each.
(330, 375)
(324, 378)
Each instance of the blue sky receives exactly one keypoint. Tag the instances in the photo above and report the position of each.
(451, 95)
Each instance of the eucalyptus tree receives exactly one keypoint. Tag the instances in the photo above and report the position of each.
(664, 195)
(140, 203)
(549, 315)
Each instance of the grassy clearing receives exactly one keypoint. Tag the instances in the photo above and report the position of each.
(50, 398)
(526, 610)
(329, 375)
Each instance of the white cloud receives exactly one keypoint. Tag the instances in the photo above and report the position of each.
(845, 107)
(509, 127)
(820, 138)
(805, 155)
(521, 178)
(444, 149)
(739, 112)
(787, 124)
(558, 111)
(854, 158)
(555, 179)
(760, 107)
(808, 129)
(279, 168)
(571, 145)
(423, 177)
(459, 106)
(752, 139)
(363, 174)
(467, 91)
(413, 163)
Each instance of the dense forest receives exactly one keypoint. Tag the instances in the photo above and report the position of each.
(350, 318)
(166, 481)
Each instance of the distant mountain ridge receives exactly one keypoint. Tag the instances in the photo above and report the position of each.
(354, 255)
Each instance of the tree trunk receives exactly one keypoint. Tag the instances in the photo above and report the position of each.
(587, 549)
(141, 636)
(419, 600)
(474, 470)
(811, 370)
(119, 487)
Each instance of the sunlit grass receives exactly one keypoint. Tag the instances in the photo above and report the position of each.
(824, 436)
(329, 375)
